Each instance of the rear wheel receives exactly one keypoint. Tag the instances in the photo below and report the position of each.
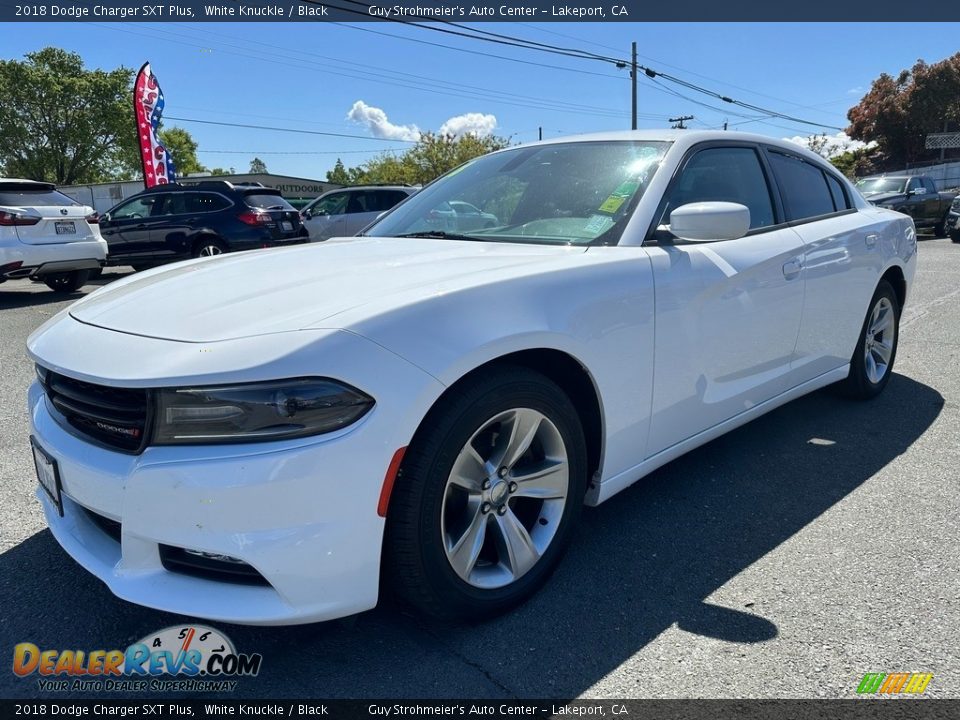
(940, 229)
(208, 247)
(955, 236)
(67, 282)
(488, 496)
(872, 361)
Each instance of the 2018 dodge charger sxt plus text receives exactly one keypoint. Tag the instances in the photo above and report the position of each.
(253, 438)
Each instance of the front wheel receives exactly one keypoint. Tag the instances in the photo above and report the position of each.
(940, 229)
(872, 361)
(67, 282)
(487, 497)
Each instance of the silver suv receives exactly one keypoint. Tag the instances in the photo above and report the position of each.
(347, 211)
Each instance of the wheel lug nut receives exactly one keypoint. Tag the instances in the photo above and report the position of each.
(502, 472)
(513, 487)
(502, 510)
(486, 485)
(485, 508)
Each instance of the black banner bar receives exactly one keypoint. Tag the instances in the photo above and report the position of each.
(860, 709)
(319, 11)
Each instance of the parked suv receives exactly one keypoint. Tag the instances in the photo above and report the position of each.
(47, 236)
(345, 212)
(953, 220)
(173, 222)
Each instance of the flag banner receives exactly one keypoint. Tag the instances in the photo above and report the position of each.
(158, 168)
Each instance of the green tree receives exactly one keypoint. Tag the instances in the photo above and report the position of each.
(432, 156)
(62, 123)
(183, 149)
(223, 171)
(257, 166)
(899, 112)
(339, 174)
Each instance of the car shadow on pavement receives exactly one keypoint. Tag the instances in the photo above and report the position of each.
(641, 563)
(27, 293)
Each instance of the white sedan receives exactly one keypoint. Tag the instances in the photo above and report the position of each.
(259, 438)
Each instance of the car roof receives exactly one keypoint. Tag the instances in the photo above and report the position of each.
(684, 139)
(23, 181)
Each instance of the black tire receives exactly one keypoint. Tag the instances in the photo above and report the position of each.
(95, 273)
(940, 229)
(208, 246)
(859, 384)
(955, 236)
(416, 564)
(140, 267)
(67, 282)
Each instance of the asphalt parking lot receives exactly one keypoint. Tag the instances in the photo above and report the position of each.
(784, 560)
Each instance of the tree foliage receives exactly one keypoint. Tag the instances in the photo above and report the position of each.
(257, 166)
(899, 112)
(62, 123)
(432, 156)
(183, 149)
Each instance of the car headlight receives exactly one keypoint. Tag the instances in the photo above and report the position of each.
(256, 412)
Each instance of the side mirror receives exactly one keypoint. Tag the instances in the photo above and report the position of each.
(307, 214)
(710, 221)
(105, 218)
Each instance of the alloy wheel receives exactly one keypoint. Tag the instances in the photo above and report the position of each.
(878, 345)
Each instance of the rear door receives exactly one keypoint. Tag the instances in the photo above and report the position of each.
(61, 218)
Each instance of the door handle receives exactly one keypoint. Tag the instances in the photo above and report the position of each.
(792, 268)
(871, 240)
(141, 226)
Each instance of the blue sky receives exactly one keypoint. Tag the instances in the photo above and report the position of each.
(309, 76)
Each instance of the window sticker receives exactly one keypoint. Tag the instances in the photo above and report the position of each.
(619, 196)
(598, 224)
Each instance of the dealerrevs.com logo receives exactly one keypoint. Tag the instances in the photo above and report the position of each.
(181, 658)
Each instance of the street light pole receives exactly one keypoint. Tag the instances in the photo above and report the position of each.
(633, 78)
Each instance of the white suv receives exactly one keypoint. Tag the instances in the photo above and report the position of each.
(47, 236)
(345, 212)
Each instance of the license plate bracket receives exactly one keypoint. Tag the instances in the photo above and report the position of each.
(48, 475)
(65, 227)
(286, 226)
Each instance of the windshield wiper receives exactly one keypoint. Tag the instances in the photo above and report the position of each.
(438, 234)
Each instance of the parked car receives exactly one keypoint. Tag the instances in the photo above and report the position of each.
(339, 213)
(435, 408)
(173, 222)
(47, 236)
(915, 196)
(953, 220)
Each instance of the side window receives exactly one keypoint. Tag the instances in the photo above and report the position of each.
(173, 204)
(357, 202)
(914, 184)
(803, 185)
(840, 201)
(202, 202)
(138, 208)
(928, 184)
(330, 205)
(731, 174)
(380, 200)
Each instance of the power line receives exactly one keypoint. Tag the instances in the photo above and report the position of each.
(288, 130)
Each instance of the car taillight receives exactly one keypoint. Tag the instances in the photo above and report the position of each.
(93, 218)
(12, 218)
(255, 218)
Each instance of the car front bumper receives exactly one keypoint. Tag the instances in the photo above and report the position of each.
(953, 221)
(302, 513)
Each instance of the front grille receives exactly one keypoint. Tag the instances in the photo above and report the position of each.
(110, 527)
(209, 567)
(116, 417)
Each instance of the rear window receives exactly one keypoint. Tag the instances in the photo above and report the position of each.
(266, 202)
(805, 190)
(25, 198)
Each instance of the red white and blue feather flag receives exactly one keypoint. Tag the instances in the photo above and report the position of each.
(158, 168)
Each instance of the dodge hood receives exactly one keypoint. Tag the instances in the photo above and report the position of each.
(279, 290)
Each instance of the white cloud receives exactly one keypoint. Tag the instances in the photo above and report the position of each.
(473, 123)
(375, 120)
(829, 145)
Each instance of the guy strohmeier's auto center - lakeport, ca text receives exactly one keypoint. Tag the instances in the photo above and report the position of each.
(298, 10)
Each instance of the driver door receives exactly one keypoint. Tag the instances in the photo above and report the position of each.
(727, 313)
(325, 218)
(127, 232)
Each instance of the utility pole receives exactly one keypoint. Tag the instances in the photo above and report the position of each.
(679, 122)
(540, 129)
(633, 79)
(724, 124)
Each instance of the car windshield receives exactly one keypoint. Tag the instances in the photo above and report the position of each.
(576, 193)
(881, 185)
